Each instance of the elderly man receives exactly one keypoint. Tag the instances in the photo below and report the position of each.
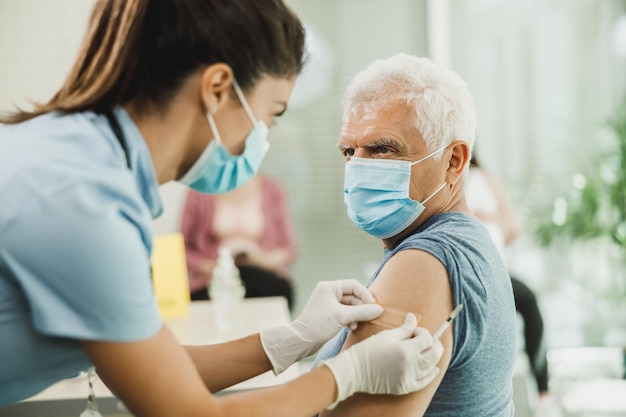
(407, 136)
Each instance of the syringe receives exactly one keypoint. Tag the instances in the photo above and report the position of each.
(446, 323)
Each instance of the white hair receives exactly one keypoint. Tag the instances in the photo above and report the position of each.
(444, 107)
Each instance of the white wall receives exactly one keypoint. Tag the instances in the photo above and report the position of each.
(38, 42)
(173, 195)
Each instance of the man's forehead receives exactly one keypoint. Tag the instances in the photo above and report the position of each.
(369, 133)
(375, 122)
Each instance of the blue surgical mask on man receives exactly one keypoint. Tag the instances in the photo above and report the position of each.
(376, 192)
(217, 171)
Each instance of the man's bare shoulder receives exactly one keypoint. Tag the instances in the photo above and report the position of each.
(411, 281)
(415, 280)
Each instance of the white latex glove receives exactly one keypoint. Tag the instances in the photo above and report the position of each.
(390, 362)
(333, 305)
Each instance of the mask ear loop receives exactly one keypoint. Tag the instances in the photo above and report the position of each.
(244, 102)
(430, 154)
(435, 193)
(426, 157)
(216, 133)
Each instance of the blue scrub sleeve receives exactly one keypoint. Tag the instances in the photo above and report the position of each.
(82, 259)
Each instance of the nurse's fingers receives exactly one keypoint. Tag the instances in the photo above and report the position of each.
(351, 300)
(355, 288)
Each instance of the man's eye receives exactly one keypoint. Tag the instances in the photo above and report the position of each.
(382, 150)
(348, 152)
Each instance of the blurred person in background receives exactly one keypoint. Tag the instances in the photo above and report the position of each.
(254, 222)
(487, 199)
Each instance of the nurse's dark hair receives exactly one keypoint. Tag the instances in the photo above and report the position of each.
(143, 50)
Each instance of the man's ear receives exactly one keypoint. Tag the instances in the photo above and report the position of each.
(215, 86)
(459, 160)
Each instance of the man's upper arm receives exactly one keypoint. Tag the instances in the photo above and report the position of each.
(413, 281)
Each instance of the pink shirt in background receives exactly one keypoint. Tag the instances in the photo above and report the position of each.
(202, 243)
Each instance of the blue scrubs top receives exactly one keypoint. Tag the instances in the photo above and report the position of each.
(75, 244)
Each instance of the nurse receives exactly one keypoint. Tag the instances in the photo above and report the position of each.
(163, 90)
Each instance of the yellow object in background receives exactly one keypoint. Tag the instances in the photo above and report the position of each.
(169, 274)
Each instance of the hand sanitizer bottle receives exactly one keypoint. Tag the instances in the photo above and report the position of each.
(225, 290)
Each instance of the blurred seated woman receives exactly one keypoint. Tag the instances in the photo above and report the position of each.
(254, 222)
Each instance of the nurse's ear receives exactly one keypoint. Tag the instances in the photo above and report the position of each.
(458, 161)
(215, 84)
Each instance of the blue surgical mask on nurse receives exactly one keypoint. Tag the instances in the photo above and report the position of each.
(217, 171)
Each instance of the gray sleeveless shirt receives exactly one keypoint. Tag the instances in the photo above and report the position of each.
(478, 381)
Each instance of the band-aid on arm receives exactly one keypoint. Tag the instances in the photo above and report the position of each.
(392, 317)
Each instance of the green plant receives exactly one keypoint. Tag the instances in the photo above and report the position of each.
(595, 204)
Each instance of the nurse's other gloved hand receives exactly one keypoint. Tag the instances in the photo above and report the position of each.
(396, 361)
(333, 305)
